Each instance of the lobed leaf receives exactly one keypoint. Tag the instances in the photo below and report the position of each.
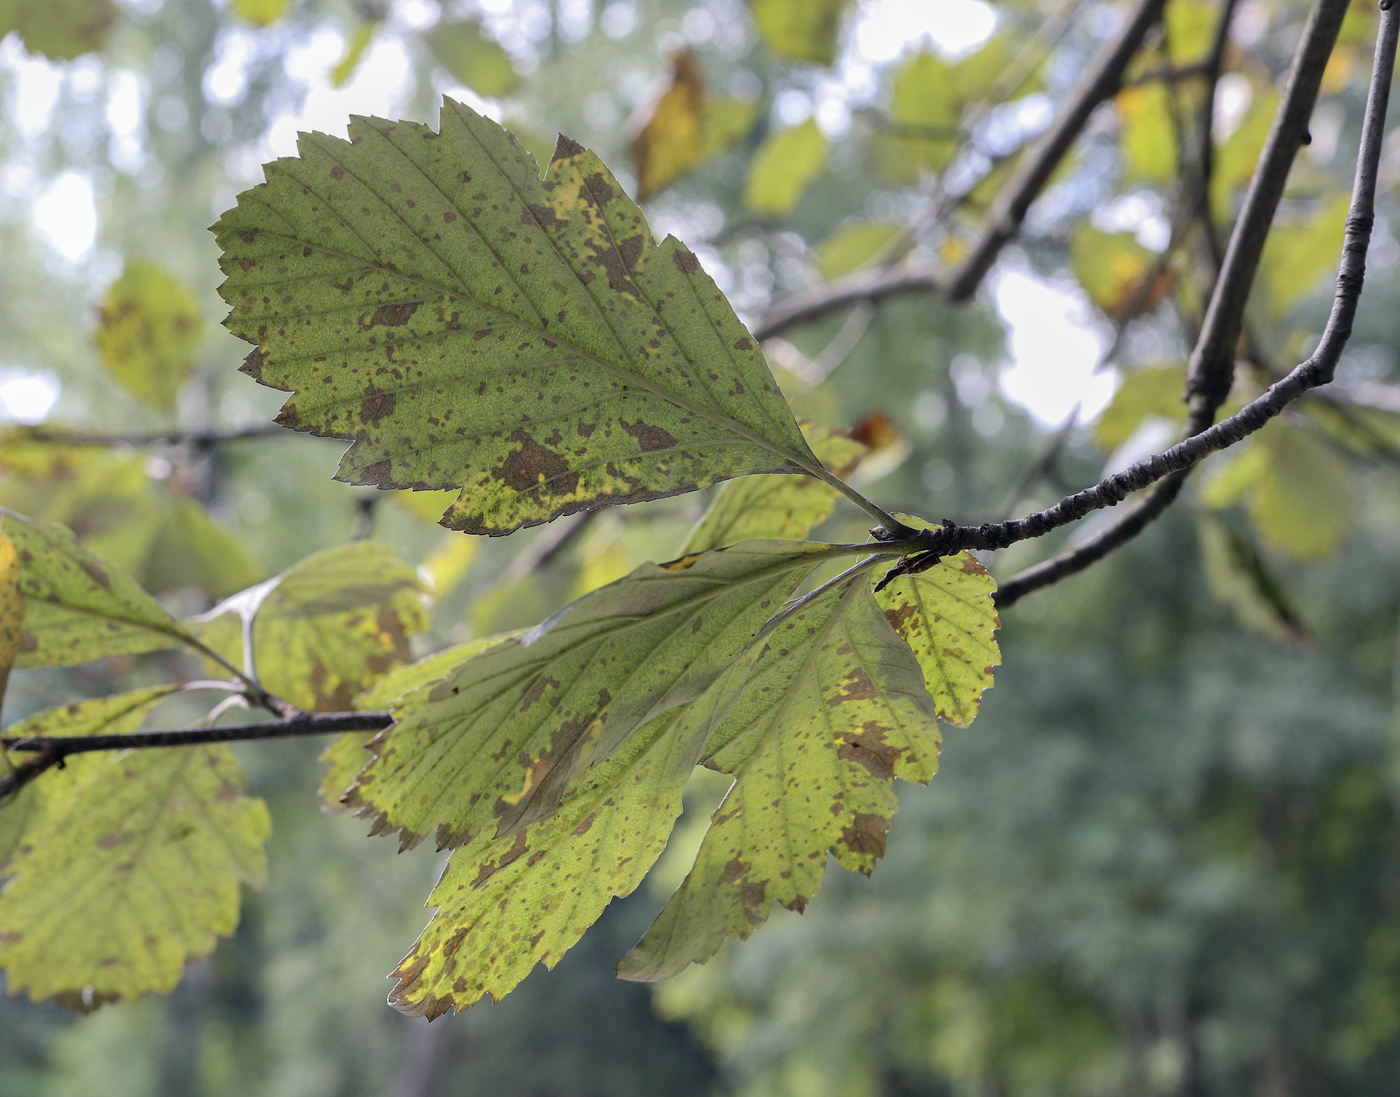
(496, 743)
(947, 617)
(469, 325)
(508, 903)
(80, 608)
(814, 725)
(327, 627)
(136, 875)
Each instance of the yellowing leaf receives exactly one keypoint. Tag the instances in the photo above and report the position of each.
(773, 507)
(783, 166)
(149, 333)
(814, 725)
(1190, 27)
(326, 628)
(508, 903)
(480, 63)
(78, 607)
(261, 13)
(855, 246)
(59, 29)
(947, 617)
(470, 325)
(671, 141)
(11, 610)
(135, 875)
(804, 30)
(495, 744)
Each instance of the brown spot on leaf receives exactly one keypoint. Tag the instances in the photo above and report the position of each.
(378, 474)
(247, 235)
(649, 437)
(449, 217)
(866, 834)
(602, 191)
(253, 364)
(564, 148)
(393, 316)
(542, 215)
(685, 259)
(533, 466)
(858, 687)
(337, 172)
(377, 406)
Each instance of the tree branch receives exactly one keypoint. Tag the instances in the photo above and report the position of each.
(1301, 92)
(52, 750)
(199, 438)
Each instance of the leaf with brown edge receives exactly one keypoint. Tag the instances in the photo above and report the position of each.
(814, 724)
(497, 742)
(508, 903)
(78, 607)
(469, 325)
(947, 617)
(326, 628)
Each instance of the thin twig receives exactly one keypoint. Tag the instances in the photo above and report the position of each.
(199, 438)
(1317, 370)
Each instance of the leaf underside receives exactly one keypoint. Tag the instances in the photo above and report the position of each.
(496, 742)
(814, 726)
(469, 325)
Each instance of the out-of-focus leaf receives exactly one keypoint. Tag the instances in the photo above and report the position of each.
(804, 30)
(149, 332)
(90, 913)
(495, 744)
(814, 725)
(80, 608)
(1237, 157)
(774, 507)
(11, 610)
(508, 903)
(855, 246)
(1111, 266)
(1296, 490)
(886, 447)
(727, 120)
(926, 108)
(520, 338)
(1152, 390)
(480, 63)
(447, 563)
(261, 13)
(327, 627)
(783, 166)
(947, 617)
(1148, 140)
(671, 141)
(1190, 30)
(1297, 256)
(361, 35)
(59, 29)
(1240, 577)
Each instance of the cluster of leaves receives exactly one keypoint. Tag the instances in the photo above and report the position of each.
(468, 324)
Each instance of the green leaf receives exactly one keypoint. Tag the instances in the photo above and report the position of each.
(726, 121)
(814, 725)
(759, 508)
(480, 63)
(803, 30)
(79, 607)
(326, 628)
(22, 819)
(470, 325)
(506, 904)
(1238, 155)
(1112, 266)
(59, 29)
(149, 332)
(926, 106)
(783, 166)
(1239, 576)
(347, 754)
(135, 875)
(947, 617)
(261, 13)
(1153, 390)
(856, 246)
(1190, 27)
(496, 743)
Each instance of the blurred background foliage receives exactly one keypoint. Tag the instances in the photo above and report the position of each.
(1165, 860)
